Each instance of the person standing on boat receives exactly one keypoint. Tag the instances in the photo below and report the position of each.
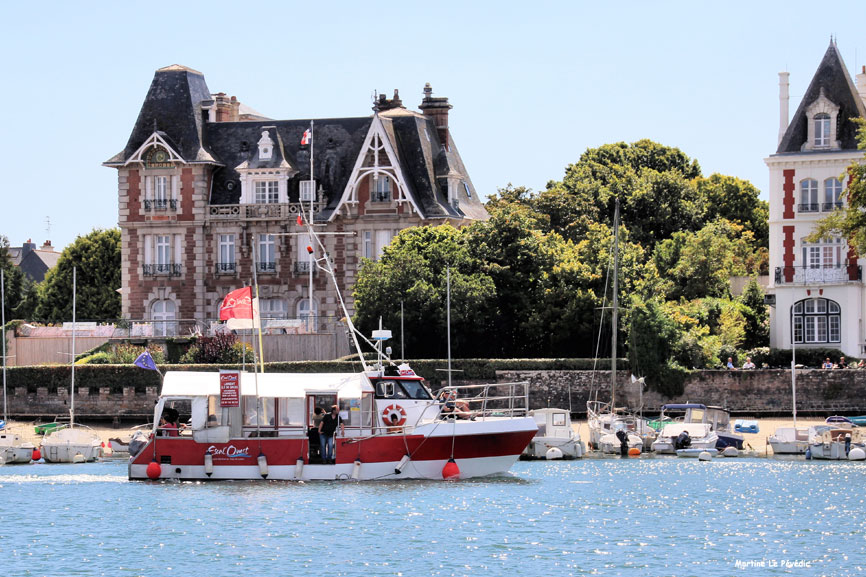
(327, 428)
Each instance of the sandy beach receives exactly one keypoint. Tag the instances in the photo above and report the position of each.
(755, 442)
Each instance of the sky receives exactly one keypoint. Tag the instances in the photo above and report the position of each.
(533, 84)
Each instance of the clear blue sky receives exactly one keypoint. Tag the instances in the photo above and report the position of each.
(533, 84)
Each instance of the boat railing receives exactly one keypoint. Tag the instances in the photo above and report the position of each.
(479, 402)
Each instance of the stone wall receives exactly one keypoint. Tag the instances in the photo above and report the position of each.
(131, 402)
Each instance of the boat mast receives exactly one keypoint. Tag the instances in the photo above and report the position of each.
(615, 305)
(72, 401)
(3, 315)
(312, 222)
(793, 374)
(448, 317)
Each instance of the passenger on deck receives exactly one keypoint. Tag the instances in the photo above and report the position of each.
(395, 426)
(168, 423)
(327, 429)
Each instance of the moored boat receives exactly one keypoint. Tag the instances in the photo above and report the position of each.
(835, 439)
(685, 433)
(15, 450)
(393, 428)
(556, 438)
(71, 445)
(789, 440)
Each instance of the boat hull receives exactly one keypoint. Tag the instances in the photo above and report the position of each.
(476, 453)
(832, 451)
(539, 447)
(16, 455)
(72, 445)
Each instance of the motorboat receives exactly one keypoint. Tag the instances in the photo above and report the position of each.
(789, 440)
(394, 428)
(697, 453)
(556, 439)
(604, 425)
(835, 439)
(690, 431)
(71, 445)
(720, 422)
(15, 450)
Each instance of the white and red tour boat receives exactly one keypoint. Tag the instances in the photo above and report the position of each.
(471, 431)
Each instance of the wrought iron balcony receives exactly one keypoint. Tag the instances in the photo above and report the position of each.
(160, 204)
(271, 211)
(830, 206)
(809, 207)
(226, 268)
(818, 275)
(303, 267)
(160, 269)
(267, 267)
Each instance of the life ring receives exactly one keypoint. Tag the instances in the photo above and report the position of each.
(394, 410)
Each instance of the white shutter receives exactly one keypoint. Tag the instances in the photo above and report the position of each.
(175, 186)
(178, 249)
(148, 187)
(148, 249)
(383, 237)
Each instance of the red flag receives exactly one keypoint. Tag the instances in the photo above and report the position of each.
(238, 304)
(305, 139)
(300, 220)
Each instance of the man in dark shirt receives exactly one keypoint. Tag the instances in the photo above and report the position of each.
(327, 428)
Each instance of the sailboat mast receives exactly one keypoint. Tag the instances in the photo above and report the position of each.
(72, 400)
(3, 314)
(793, 374)
(615, 307)
(448, 317)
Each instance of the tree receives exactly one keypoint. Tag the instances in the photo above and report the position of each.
(757, 329)
(15, 283)
(97, 260)
(737, 201)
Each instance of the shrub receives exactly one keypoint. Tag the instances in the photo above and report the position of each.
(220, 348)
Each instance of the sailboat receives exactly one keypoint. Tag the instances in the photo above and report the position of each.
(71, 444)
(791, 440)
(609, 426)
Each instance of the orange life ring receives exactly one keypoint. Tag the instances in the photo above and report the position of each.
(394, 410)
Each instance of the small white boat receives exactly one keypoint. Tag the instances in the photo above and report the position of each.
(834, 442)
(14, 450)
(556, 439)
(789, 440)
(611, 444)
(688, 432)
(696, 453)
(71, 445)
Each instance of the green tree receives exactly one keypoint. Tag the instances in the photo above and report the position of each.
(96, 257)
(15, 283)
(737, 201)
(757, 328)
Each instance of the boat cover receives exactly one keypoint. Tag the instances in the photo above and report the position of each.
(746, 426)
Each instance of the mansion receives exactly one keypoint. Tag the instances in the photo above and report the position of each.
(210, 192)
(817, 286)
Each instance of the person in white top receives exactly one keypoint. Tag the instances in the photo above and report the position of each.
(748, 364)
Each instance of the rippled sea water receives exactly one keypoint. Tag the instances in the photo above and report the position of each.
(648, 516)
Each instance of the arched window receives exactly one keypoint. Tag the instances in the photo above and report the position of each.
(817, 321)
(304, 308)
(832, 194)
(809, 195)
(273, 309)
(162, 313)
(822, 129)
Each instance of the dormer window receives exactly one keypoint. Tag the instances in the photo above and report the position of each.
(308, 190)
(267, 192)
(266, 146)
(822, 130)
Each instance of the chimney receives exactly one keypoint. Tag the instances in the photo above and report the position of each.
(437, 110)
(783, 105)
(861, 84)
(47, 246)
(236, 106)
(223, 107)
(27, 247)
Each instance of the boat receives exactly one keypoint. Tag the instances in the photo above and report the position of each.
(696, 453)
(257, 425)
(62, 444)
(789, 440)
(835, 439)
(556, 438)
(605, 419)
(689, 432)
(15, 450)
(720, 422)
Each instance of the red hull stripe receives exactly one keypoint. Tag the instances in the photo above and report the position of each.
(186, 452)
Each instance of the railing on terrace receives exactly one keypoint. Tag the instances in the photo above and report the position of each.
(161, 269)
(817, 275)
(808, 207)
(160, 204)
(269, 211)
(830, 206)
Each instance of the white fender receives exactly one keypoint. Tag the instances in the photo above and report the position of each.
(402, 465)
(208, 464)
(299, 468)
(356, 470)
(263, 466)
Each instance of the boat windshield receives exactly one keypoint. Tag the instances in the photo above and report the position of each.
(402, 390)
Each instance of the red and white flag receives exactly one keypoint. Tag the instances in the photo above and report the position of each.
(305, 139)
(240, 310)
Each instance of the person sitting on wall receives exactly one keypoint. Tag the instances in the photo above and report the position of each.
(730, 364)
(748, 364)
(842, 364)
(828, 364)
(861, 364)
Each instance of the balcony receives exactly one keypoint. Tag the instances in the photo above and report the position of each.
(160, 270)
(803, 275)
(303, 267)
(831, 206)
(226, 268)
(267, 267)
(271, 211)
(809, 207)
(160, 204)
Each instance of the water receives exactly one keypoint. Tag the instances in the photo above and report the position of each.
(655, 516)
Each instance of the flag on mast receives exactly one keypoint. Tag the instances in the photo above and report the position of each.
(308, 135)
(240, 310)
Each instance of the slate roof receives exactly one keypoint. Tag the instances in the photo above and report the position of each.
(38, 262)
(173, 105)
(832, 76)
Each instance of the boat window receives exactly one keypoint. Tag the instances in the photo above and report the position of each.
(559, 419)
(261, 413)
(291, 412)
(216, 415)
(183, 408)
(366, 410)
(415, 390)
(350, 410)
(390, 390)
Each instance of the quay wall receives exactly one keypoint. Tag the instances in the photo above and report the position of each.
(130, 393)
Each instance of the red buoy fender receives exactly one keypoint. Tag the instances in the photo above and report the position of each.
(394, 409)
(450, 470)
(154, 470)
(37, 454)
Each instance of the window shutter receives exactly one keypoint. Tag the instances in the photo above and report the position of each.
(148, 187)
(148, 249)
(178, 249)
(175, 186)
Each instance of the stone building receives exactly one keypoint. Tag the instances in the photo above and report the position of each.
(818, 286)
(208, 189)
